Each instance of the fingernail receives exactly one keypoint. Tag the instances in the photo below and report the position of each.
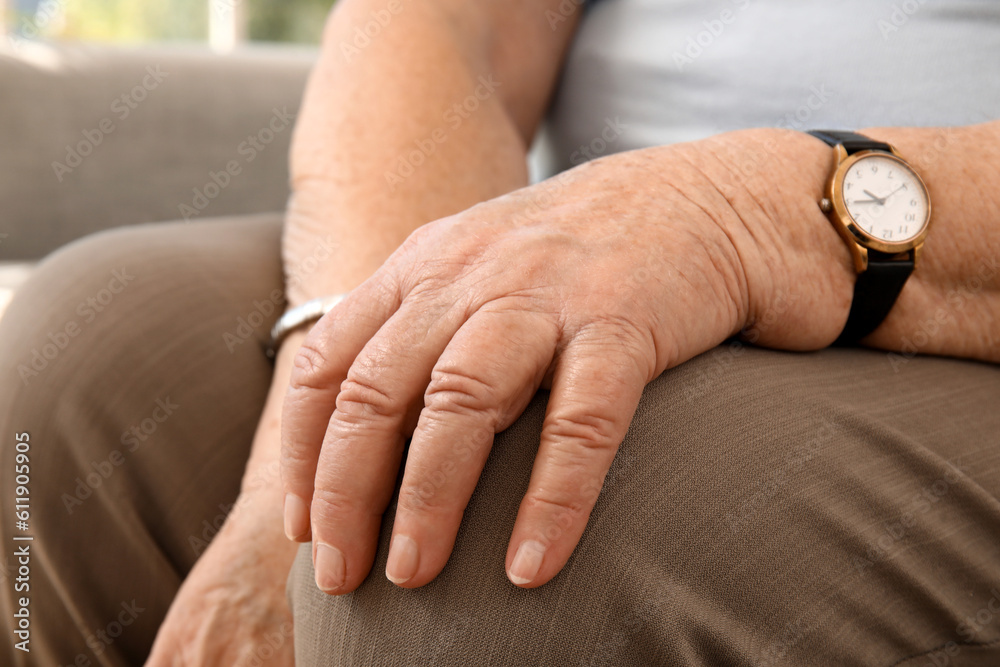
(404, 557)
(331, 569)
(527, 562)
(296, 517)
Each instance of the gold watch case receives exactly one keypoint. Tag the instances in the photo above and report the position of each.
(859, 241)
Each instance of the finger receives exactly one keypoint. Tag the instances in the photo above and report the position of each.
(595, 391)
(319, 368)
(480, 385)
(360, 457)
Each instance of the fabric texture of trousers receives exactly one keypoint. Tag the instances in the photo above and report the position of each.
(766, 508)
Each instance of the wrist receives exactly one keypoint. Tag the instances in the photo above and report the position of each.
(799, 272)
(951, 302)
(323, 256)
(249, 532)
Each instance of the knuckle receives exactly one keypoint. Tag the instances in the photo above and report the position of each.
(564, 508)
(294, 462)
(589, 431)
(308, 366)
(436, 254)
(615, 334)
(426, 498)
(413, 259)
(457, 392)
(331, 504)
(418, 237)
(362, 399)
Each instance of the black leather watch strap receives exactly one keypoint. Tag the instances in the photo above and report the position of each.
(852, 141)
(878, 287)
(875, 292)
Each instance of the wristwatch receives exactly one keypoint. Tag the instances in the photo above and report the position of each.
(880, 206)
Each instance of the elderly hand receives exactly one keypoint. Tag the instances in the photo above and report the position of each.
(592, 283)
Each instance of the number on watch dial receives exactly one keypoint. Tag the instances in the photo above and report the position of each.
(885, 198)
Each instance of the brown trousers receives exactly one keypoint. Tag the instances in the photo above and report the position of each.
(767, 508)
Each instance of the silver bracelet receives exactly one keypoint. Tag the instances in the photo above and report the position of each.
(307, 313)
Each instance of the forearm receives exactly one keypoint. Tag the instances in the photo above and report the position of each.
(949, 306)
(419, 122)
(952, 306)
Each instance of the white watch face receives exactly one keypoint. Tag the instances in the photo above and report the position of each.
(885, 198)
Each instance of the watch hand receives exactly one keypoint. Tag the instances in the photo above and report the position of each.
(893, 192)
(867, 201)
(879, 200)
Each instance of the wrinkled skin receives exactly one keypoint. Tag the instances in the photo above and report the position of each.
(592, 283)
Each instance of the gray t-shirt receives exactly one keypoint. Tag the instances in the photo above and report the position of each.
(652, 72)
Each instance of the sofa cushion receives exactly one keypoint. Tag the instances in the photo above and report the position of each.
(96, 136)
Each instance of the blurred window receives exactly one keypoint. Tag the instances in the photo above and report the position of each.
(223, 23)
